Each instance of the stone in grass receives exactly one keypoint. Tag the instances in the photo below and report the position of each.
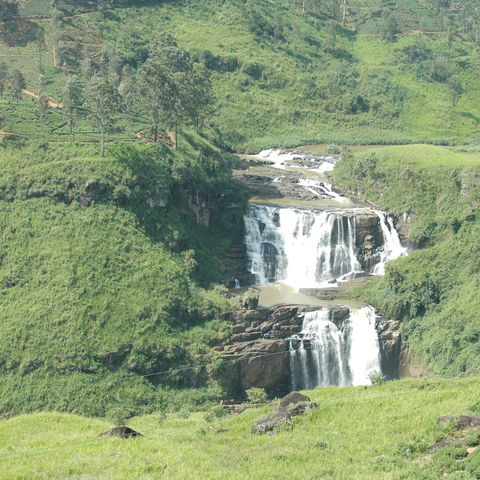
(292, 405)
(461, 421)
(121, 432)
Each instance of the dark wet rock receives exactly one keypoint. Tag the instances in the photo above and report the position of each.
(461, 421)
(390, 341)
(291, 399)
(121, 432)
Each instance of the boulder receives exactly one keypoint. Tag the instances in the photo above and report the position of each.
(461, 421)
(291, 399)
(292, 405)
(121, 432)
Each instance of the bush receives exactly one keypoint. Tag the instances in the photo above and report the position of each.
(256, 395)
(473, 439)
(377, 378)
(183, 413)
(216, 412)
(333, 149)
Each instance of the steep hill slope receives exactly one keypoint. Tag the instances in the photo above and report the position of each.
(101, 262)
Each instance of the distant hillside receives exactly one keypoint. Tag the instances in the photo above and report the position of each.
(395, 72)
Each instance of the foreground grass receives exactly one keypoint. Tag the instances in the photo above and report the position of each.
(356, 433)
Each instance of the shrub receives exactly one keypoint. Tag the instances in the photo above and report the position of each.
(333, 149)
(473, 439)
(183, 413)
(214, 413)
(377, 378)
(256, 395)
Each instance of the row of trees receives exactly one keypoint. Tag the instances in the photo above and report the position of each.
(169, 87)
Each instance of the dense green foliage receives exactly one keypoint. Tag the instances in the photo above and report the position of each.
(376, 433)
(100, 265)
(433, 290)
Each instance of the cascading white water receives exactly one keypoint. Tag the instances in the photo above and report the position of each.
(283, 159)
(321, 189)
(324, 354)
(311, 248)
(392, 247)
(300, 247)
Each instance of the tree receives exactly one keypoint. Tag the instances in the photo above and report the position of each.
(71, 93)
(175, 90)
(42, 100)
(456, 90)
(17, 84)
(129, 90)
(389, 28)
(3, 77)
(103, 103)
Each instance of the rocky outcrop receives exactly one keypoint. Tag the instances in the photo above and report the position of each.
(292, 405)
(390, 340)
(121, 432)
(258, 355)
(368, 238)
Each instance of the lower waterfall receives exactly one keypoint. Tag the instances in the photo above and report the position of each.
(325, 353)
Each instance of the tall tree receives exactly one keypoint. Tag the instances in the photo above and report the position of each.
(3, 77)
(175, 91)
(72, 97)
(17, 84)
(103, 103)
(42, 99)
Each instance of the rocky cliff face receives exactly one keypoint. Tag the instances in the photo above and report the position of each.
(368, 238)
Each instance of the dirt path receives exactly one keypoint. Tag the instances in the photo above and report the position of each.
(51, 103)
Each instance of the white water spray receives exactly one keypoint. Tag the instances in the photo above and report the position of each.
(325, 354)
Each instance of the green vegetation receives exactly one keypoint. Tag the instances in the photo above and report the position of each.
(284, 73)
(101, 266)
(433, 290)
(380, 432)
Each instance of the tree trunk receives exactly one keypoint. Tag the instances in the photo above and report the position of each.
(102, 142)
(344, 20)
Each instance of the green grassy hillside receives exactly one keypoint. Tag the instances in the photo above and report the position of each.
(355, 433)
(100, 272)
(281, 78)
(433, 290)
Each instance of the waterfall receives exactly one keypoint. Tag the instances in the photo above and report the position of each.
(325, 354)
(300, 247)
(392, 248)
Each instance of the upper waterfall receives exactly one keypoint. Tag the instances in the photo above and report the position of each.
(305, 248)
(300, 247)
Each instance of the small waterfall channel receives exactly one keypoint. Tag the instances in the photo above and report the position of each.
(326, 353)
